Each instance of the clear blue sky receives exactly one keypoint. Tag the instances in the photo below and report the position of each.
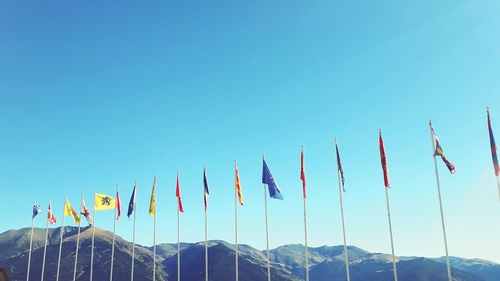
(98, 94)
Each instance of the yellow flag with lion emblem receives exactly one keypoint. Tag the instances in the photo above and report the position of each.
(104, 202)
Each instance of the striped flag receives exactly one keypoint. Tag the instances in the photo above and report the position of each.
(440, 152)
(303, 173)
(50, 215)
(383, 160)
(152, 202)
(178, 195)
(493, 147)
(206, 192)
(339, 167)
(238, 187)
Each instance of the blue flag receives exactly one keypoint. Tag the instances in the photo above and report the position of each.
(267, 178)
(36, 210)
(131, 204)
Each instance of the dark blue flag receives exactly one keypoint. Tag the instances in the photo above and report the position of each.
(131, 204)
(267, 178)
(36, 210)
(206, 192)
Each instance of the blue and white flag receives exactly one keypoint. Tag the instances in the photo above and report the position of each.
(36, 209)
(267, 178)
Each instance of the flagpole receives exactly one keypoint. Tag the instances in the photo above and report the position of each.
(498, 185)
(236, 225)
(448, 267)
(154, 243)
(178, 239)
(61, 242)
(133, 236)
(45, 247)
(305, 231)
(267, 235)
(394, 269)
(31, 245)
(206, 230)
(113, 244)
(346, 254)
(93, 238)
(77, 244)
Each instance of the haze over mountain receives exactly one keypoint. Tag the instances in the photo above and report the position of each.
(326, 262)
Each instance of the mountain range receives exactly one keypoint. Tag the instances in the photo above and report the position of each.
(287, 262)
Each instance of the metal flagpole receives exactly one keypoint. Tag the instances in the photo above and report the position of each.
(394, 269)
(305, 226)
(267, 237)
(93, 238)
(206, 232)
(236, 225)
(498, 184)
(113, 244)
(448, 267)
(346, 254)
(77, 243)
(154, 245)
(133, 237)
(45, 247)
(178, 243)
(31, 244)
(305, 239)
(60, 242)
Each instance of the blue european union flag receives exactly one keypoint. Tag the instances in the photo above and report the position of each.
(267, 178)
(36, 210)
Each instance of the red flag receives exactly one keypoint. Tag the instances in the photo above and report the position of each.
(303, 173)
(50, 215)
(118, 207)
(383, 160)
(178, 195)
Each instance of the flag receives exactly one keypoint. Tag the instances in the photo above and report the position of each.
(118, 207)
(131, 204)
(237, 185)
(178, 195)
(303, 173)
(493, 148)
(440, 152)
(383, 160)
(104, 202)
(152, 202)
(206, 192)
(36, 210)
(339, 168)
(69, 211)
(267, 178)
(50, 215)
(85, 212)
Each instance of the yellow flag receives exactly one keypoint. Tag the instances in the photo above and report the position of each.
(104, 202)
(152, 203)
(69, 211)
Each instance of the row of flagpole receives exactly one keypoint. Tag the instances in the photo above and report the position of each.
(104, 202)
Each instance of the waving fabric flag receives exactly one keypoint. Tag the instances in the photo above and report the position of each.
(339, 168)
(178, 195)
(104, 202)
(36, 210)
(383, 160)
(50, 215)
(493, 148)
(118, 206)
(206, 192)
(303, 173)
(152, 202)
(85, 212)
(131, 204)
(69, 211)
(440, 152)
(267, 178)
(238, 187)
